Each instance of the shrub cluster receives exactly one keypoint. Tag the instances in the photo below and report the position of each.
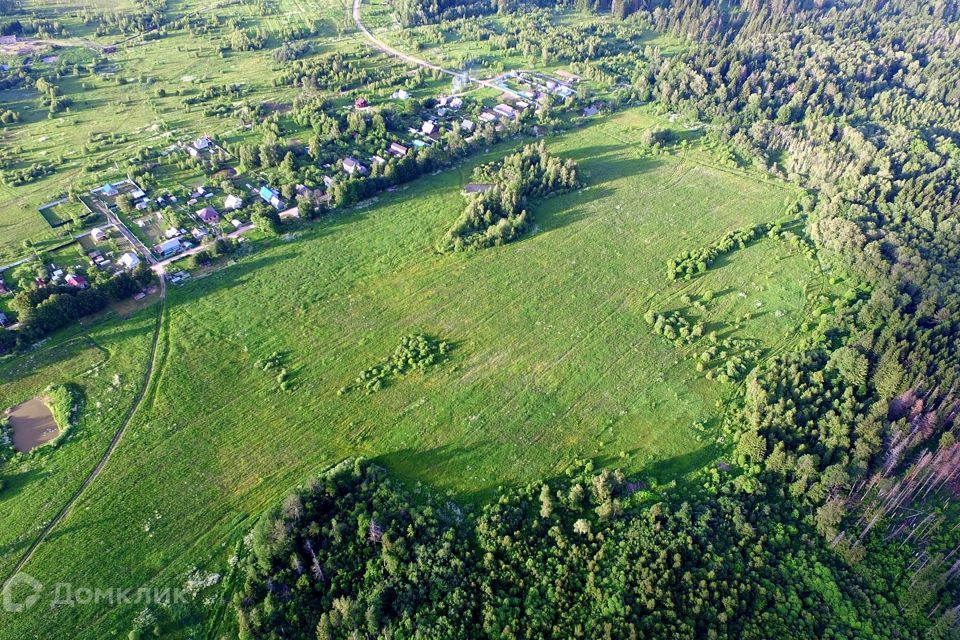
(414, 353)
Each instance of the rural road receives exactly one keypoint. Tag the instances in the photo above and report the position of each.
(396, 53)
(160, 267)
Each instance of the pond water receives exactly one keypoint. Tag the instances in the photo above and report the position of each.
(32, 424)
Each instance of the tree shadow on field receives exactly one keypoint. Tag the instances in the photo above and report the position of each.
(600, 169)
(664, 470)
(565, 209)
(434, 466)
(17, 367)
(15, 482)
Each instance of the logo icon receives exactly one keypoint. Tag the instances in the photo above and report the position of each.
(21, 592)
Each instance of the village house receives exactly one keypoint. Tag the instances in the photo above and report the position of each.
(398, 150)
(361, 103)
(200, 144)
(377, 160)
(430, 128)
(129, 261)
(351, 166)
(198, 234)
(467, 125)
(233, 202)
(506, 111)
(97, 234)
(455, 103)
(109, 190)
(271, 196)
(168, 248)
(76, 281)
(328, 181)
(209, 215)
(486, 116)
(400, 95)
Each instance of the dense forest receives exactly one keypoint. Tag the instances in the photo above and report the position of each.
(834, 518)
(589, 555)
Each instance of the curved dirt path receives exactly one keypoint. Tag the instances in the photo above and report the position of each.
(396, 53)
(95, 472)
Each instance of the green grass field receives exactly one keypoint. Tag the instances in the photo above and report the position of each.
(552, 362)
(107, 363)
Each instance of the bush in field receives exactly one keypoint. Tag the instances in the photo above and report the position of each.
(415, 352)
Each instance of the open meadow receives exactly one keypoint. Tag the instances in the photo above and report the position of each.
(551, 361)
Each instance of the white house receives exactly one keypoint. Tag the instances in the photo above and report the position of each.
(97, 234)
(233, 202)
(129, 261)
(467, 125)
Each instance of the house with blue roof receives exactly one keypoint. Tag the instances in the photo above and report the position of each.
(267, 193)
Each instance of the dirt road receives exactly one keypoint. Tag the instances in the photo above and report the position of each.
(396, 53)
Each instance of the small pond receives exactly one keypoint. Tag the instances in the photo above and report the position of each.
(32, 424)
